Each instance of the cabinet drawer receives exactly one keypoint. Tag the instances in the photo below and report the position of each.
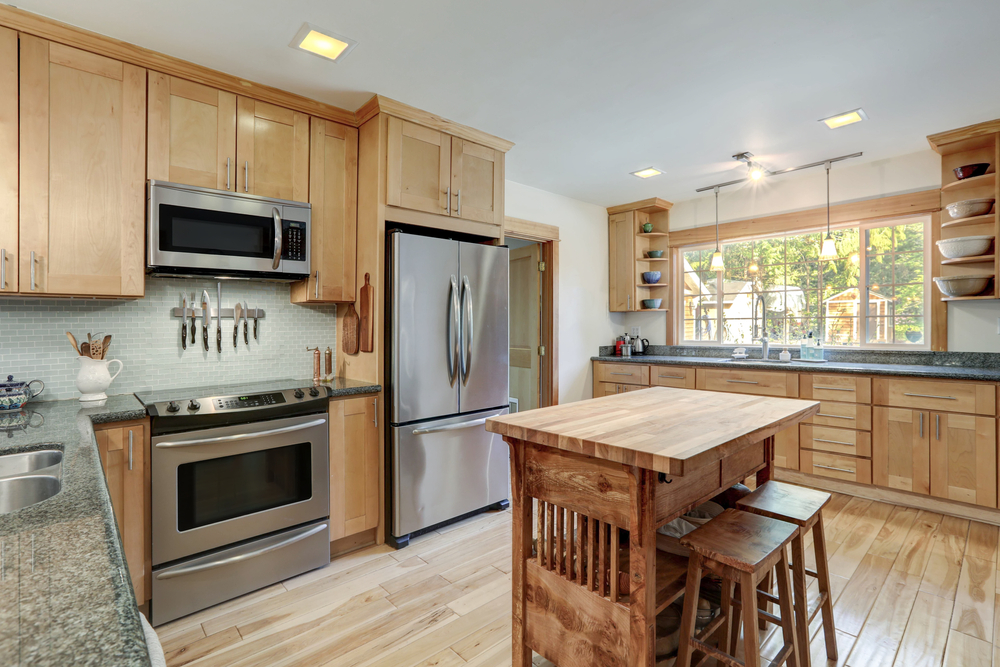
(763, 383)
(837, 466)
(836, 440)
(843, 415)
(971, 397)
(627, 373)
(847, 388)
(672, 376)
(611, 388)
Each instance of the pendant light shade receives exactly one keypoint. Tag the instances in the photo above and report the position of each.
(829, 249)
(717, 262)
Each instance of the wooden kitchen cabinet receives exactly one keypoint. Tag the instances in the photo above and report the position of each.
(8, 160)
(272, 150)
(333, 193)
(901, 449)
(628, 246)
(623, 293)
(476, 182)
(124, 452)
(963, 458)
(82, 172)
(355, 449)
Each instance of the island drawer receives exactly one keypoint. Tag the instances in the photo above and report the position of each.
(739, 381)
(837, 466)
(847, 388)
(835, 440)
(626, 373)
(672, 376)
(843, 415)
(945, 395)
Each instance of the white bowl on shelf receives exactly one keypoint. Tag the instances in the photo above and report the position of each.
(952, 286)
(964, 246)
(968, 208)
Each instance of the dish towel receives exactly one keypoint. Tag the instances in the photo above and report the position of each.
(156, 657)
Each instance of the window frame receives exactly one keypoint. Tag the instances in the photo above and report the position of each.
(863, 226)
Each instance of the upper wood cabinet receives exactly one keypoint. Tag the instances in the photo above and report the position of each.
(476, 182)
(629, 245)
(622, 291)
(354, 465)
(82, 180)
(192, 133)
(8, 161)
(272, 150)
(333, 193)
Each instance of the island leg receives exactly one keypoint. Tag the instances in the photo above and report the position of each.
(521, 538)
(767, 473)
(642, 566)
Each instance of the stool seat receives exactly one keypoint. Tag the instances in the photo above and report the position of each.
(785, 502)
(740, 540)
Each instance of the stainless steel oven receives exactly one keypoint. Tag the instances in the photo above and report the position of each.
(198, 231)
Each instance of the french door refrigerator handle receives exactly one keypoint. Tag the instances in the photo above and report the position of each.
(467, 328)
(454, 330)
(450, 427)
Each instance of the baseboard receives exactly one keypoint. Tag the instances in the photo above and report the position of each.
(346, 545)
(904, 498)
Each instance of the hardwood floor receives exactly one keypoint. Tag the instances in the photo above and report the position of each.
(911, 588)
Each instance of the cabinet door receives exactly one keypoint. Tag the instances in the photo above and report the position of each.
(83, 182)
(272, 150)
(8, 160)
(901, 449)
(333, 193)
(621, 258)
(606, 389)
(192, 133)
(418, 168)
(476, 182)
(354, 466)
(123, 455)
(964, 458)
(786, 448)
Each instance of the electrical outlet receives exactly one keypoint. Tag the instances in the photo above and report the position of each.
(635, 330)
(998, 326)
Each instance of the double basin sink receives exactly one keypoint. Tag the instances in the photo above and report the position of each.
(29, 478)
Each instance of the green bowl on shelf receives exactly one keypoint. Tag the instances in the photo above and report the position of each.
(651, 303)
(654, 254)
(648, 227)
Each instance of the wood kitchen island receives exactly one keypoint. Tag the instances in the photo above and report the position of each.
(582, 473)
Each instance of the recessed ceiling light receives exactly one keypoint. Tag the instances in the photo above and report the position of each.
(846, 118)
(322, 42)
(648, 172)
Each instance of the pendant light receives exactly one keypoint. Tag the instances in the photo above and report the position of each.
(829, 250)
(717, 263)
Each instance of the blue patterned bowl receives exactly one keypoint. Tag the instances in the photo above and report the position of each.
(651, 277)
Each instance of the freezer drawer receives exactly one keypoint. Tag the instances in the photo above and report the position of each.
(446, 468)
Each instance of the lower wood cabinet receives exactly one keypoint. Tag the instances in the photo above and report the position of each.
(355, 454)
(786, 448)
(124, 451)
(963, 458)
(837, 466)
(901, 449)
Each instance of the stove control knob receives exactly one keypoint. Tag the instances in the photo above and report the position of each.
(194, 405)
(298, 393)
(173, 407)
(313, 391)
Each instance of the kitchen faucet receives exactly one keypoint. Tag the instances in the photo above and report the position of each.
(765, 344)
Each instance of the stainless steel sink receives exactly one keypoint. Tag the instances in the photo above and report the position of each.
(25, 462)
(20, 492)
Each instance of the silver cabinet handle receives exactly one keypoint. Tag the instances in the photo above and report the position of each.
(375, 419)
(625, 374)
(816, 386)
(296, 536)
(3, 269)
(453, 331)
(277, 240)
(227, 173)
(447, 208)
(32, 272)
(130, 449)
(467, 328)
(820, 414)
(847, 470)
(921, 424)
(317, 285)
(835, 442)
(628, 302)
(460, 202)
(937, 425)
(450, 427)
(246, 176)
(673, 377)
(240, 436)
(947, 398)
(743, 381)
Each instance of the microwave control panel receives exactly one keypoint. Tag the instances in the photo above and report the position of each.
(294, 248)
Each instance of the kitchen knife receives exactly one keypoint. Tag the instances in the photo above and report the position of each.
(206, 315)
(237, 313)
(194, 328)
(218, 322)
(184, 324)
(246, 334)
(255, 311)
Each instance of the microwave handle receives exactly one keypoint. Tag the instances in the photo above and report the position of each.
(277, 238)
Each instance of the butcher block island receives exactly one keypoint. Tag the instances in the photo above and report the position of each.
(582, 473)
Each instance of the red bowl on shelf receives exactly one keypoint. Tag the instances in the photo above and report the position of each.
(970, 170)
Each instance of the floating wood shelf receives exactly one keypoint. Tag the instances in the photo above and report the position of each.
(968, 298)
(975, 181)
(653, 259)
(651, 284)
(649, 310)
(970, 260)
(974, 220)
(642, 234)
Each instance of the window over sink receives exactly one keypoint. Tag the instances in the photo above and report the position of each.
(782, 282)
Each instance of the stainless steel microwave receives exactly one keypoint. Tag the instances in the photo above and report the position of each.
(193, 231)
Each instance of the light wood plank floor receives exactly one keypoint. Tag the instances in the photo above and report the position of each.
(910, 588)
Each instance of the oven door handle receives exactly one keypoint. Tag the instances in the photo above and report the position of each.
(240, 436)
(296, 536)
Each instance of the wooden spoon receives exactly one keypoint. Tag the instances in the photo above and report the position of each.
(105, 345)
(73, 341)
(85, 349)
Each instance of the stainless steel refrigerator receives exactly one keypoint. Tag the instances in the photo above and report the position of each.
(448, 357)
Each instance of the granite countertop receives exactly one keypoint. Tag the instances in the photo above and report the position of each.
(65, 594)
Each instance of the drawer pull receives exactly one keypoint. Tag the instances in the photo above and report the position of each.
(835, 442)
(820, 414)
(673, 377)
(947, 398)
(816, 386)
(743, 381)
(627, 374)
(847, 470)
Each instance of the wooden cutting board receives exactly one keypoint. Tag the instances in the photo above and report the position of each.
(367, 321)
(351, 323)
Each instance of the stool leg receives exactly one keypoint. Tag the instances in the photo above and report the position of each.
(691, 591)
(787, 614)
(801, 601)
(751, 638)
(823, 572)
(734, 630)
(766, 586)
(727, 609)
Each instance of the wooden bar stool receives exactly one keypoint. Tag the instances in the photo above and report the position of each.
(801, 506)
(741, 548)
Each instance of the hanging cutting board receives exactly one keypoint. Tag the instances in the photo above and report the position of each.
(351, 323)
(367, 324)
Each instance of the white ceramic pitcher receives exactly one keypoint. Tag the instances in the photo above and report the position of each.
(94, 378)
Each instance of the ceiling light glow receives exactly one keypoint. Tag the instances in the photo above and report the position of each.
(648, 172)
(323, 43)
(846, 118)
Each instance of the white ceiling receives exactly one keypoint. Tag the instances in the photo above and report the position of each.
(590, 90)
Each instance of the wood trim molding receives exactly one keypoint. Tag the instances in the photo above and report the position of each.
(530, 231)
(381, 104)
(938, 307)
(550, 324)
(937, 141)
(651, 205)
(421, 219)
(925, 201)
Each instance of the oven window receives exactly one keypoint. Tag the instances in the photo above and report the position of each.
(233, 486)
(208, 232)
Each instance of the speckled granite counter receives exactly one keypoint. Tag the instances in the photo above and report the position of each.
(65, 593)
